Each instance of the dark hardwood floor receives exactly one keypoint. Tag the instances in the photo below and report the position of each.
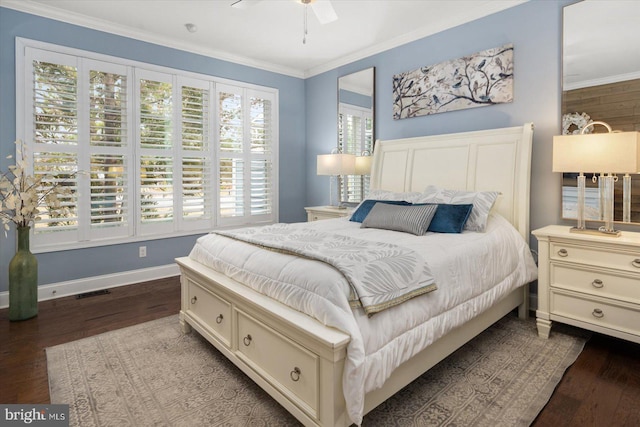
(23, 364)
(602, 388)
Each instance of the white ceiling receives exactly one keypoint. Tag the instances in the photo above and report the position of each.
(269, 33)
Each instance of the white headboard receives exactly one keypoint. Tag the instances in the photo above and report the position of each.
(495, 159)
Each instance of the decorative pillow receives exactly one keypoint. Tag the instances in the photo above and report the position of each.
(413, 219)
(450, 218)
(482, 202)
(365, 207)
(411, 197)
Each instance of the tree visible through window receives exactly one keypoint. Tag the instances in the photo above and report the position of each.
(143, 140)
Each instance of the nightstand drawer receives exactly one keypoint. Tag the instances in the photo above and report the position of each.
(596, 256)
(318, 216)
(318, 213)
(624, 287)
(595, 311)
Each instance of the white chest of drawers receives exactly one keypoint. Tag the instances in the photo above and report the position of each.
(589, 281)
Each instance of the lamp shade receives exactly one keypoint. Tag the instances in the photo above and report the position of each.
(615, 152)
(363, 165)
(336, 164)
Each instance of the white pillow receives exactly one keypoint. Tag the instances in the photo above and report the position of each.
(411, 197)
(482, 202)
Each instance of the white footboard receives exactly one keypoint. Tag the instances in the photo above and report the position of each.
(297, 360)
(294, 358)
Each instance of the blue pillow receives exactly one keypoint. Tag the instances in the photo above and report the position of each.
(365, 207)
(449, 218)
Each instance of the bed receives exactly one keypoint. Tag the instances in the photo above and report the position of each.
(332, 365)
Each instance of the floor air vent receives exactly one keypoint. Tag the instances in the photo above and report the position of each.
(93, 293)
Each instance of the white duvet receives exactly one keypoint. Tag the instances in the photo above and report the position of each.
(472, 271)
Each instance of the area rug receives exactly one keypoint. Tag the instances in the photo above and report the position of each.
(153, 375)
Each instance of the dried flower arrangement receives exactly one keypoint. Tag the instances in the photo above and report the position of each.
(22, 195)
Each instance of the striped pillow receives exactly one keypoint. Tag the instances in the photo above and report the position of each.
(409, 219)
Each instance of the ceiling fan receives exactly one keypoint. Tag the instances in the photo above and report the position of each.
(323, 9)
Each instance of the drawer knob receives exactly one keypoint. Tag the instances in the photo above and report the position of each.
(295, 374)
(564, 253)
(597, 313)
(597, 283)
(247, 340)
(636, 263)
(194, 300)
(219, 319)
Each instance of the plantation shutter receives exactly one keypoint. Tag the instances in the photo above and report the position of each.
(355, 136)
(196, 191)
(245, 155)
(261, 155)
(111, 181)
(155, 152)
(145, 151)
(53, 106)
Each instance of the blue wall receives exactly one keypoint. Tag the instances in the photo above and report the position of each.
(74, 264)
(308, 114)
(534, 28)
(354, 98)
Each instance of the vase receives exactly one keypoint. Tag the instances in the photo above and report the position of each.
(23, 280)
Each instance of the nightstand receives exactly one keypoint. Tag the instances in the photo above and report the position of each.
(589, 281)
(316, 213)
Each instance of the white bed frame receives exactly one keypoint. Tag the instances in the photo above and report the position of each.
(299, 361)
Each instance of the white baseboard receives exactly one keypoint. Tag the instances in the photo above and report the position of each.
(96, 283)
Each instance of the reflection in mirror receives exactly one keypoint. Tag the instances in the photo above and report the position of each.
(601, 82)
(356, 101)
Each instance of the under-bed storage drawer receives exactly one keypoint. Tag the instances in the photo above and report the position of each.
(214, 311)
(291, 366)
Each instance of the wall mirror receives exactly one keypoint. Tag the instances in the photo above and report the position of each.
(600, 81)
(356, 103)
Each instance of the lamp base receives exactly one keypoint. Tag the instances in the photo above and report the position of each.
(596, 232)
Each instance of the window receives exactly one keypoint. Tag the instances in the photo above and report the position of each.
(147, 151)
(244, 153)
(355, 136)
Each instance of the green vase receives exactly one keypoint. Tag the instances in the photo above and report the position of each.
(23, 280)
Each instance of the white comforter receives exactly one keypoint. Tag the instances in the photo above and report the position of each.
(472, 271)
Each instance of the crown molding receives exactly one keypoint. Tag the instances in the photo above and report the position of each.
(49, 12)
(601, 81)
(486, 8)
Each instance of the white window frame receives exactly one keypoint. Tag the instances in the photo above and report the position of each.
(135, 231)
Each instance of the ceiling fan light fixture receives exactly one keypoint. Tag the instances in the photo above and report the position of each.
(304, 20)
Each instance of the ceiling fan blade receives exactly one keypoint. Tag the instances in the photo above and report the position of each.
(324, 11)
(244, 4)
